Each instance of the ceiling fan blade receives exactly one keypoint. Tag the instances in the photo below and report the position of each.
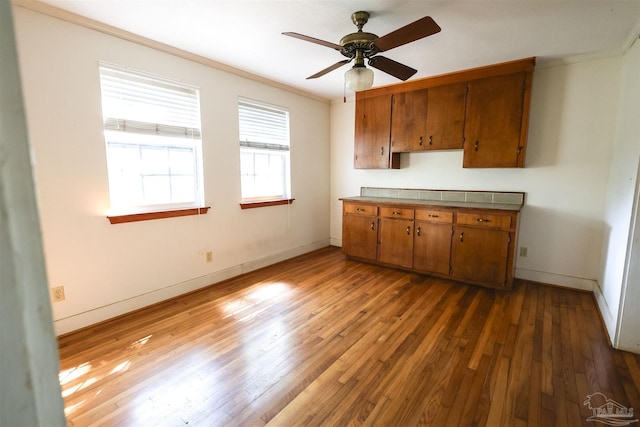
(313, 40)
(416, 30)
(392, 67)
(329, 69)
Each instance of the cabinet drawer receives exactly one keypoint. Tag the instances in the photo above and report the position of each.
(434, 216)
(392, 212)
(484, 220)
(357, 209)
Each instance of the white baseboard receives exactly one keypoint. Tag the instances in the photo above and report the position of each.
(99, 314)
(608, 319)
(557, 279)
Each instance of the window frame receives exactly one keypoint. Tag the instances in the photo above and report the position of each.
(175, 126)
(275, 141)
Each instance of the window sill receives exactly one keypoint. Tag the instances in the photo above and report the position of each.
(146, 216)
(265, 203)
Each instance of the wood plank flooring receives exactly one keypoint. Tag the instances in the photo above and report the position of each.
(321, 340)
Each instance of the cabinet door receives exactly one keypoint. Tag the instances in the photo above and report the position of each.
(480, 255)
(408, 119)
(493, 122)
(373, 133)
(445, 117)
(432, 247)
(359, 236)
(395, 242)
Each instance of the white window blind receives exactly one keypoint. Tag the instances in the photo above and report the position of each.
(133, 102)
(263, 126)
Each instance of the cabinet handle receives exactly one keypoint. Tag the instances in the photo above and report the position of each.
(360, 209)
(430, 139)
(420, 140)
(418, 231)
(396, 213)
(408, 230)
(373, 225)
(433, 216)
(461, 235)
(382, 151)
(482, 220)
(475, 146)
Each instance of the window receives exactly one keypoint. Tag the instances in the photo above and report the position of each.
(152, 135)
(264, 152)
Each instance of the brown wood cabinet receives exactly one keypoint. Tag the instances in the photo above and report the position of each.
(481, 250)
(484, 111)
(395, 237)
(432, 241)
(360, 230)
(494, 122)
(445, 117)
(470, 245)
(408, 124)
(372, 148)
(428, 119)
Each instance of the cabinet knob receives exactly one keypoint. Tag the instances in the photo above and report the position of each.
(408, 230)
(475, 146)
(430, 139)
(420, 140)
(418, 231)
(461, 236)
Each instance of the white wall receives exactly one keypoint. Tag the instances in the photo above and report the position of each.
(573, 115)
(110, 269)
(620, 272)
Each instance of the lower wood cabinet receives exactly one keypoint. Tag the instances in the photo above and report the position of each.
(432, 241)
(360, 231)
(395, 236)
(470, 245)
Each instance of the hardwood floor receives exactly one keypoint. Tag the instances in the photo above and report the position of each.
(320, 340)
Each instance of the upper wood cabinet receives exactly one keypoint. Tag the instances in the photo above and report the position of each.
(428, 119)
(372, 148)
(483, 110)
(493, 126)
(408, 124)
(445, 117)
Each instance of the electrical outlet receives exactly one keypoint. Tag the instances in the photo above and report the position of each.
(208, 256)
(524, 251)
(57, 294)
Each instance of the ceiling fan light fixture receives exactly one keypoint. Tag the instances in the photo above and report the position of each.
(358, 78)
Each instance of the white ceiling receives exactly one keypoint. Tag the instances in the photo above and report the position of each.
(246, 34)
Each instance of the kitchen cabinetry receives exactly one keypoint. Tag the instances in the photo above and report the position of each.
(428, 119)
(432, 241)
(360, 230)
(395, 237)
(494, 122)
(445, 117)
(480, 247)
(484, 111)
(408, 124)
(470, 245)
(372, 147)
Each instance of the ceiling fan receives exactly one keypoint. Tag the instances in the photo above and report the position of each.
(360, 45)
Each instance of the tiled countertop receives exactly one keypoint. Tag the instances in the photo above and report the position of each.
(511, 201)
